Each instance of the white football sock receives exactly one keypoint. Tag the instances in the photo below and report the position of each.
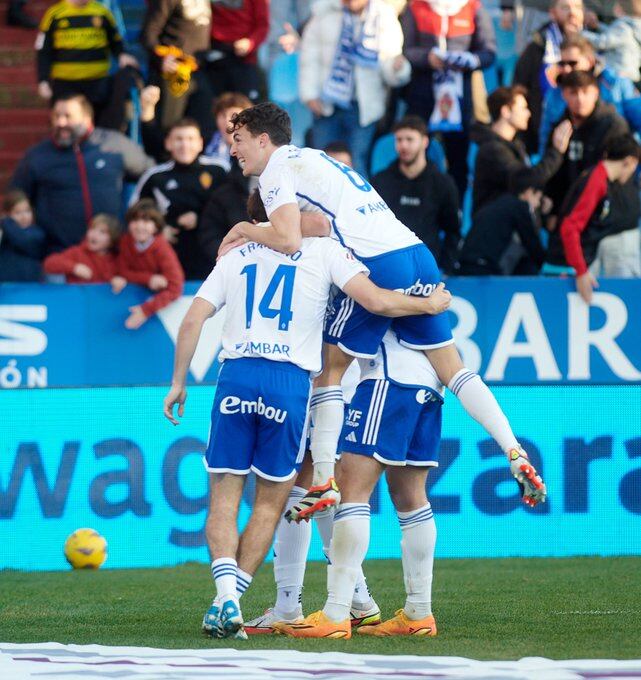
(328, 413)
(291, 546)
(243, 579)
(417, 550)
(362, 598)
(350, 541)
(224, 571)
(477, 399)
(325, 525)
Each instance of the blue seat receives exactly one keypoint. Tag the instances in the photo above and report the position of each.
(283, 79)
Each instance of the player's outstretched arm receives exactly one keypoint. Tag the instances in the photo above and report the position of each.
(188, 337)
(391, 303)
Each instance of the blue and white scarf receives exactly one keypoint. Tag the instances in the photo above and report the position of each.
(358, 45)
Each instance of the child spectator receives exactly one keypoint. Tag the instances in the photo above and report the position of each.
(21, 241)
(219, 145)
(93, 260)
(147, 259)
(620, 42)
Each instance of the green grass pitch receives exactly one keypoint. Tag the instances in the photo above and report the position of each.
(485, 609)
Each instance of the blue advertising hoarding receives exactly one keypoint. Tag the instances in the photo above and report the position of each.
(512, 331)
(106, 458)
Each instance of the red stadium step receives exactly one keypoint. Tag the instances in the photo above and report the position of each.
(28, 117)
(22, 96)
(19, 139)
(24, 74)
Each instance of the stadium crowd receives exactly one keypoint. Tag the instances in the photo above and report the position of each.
(537, 176)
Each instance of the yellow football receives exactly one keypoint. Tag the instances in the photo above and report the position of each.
(85, 549)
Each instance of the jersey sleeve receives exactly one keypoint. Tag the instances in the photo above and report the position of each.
(277, 187)
(341, 264)
(213, 288)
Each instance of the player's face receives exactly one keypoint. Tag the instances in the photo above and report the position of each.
(581, 100)
(519, 113)
(142, 229)
(249, 150)
(22, 214)
(69, 122)
(98, 237)
(568, 14)
(222, 121)
(410, 144)
(184, 144)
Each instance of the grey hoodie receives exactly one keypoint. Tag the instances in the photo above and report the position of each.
(620, 44)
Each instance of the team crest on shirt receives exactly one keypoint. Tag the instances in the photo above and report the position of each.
(96, 21)
(205, 180)
(271, 195)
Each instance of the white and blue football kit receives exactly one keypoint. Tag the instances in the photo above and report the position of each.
(271, 346)
(361, 221)
(395, 414)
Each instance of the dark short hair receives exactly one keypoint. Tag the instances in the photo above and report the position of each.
(231, 100)
(622, 146)
(85, 104)
(256, 208)
(578, 41)
(523, 179)
(183, 123)
(12, 198)
(113, 226)
(503, 96)
(577, 80)
(265, 118)
(411, 123)
(337, 147)
(146, 209)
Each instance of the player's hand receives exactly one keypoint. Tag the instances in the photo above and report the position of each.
(117, 284)
(158, 282)
(82, 271)
(136, 318)
(176, 395)
(439, 300)
(585, 284)
(533, 489)
(233, 236)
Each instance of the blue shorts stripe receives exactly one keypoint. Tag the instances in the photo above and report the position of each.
(379, 416)
(371, 412)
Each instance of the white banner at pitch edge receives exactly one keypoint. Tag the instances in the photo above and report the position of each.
(71, 662)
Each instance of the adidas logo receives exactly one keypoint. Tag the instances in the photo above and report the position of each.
(351, 437)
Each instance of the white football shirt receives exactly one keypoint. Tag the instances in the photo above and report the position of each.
(276, 303)
(360, 218)
(401, 365)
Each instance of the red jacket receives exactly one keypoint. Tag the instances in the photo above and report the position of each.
(138, 267)
(103, 266)
(250, 21)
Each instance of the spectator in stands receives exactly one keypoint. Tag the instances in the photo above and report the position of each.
(180, 188)
(420, 196)
(93, 260)
(16, 15)
(536, 68)
(145, 258)
(446, 41)
(594, 125)
(238, 29)
(599, 231)
(577, 54)
(340, 151)
(501, 152)
(620, 41)
(219, 145)
(75, 45)
(175, 33)
(489, 247)
(286, 21)
(21, 240)
(224, 208)
(77, 173)
(350, 55)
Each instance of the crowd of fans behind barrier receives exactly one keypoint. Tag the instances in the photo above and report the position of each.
(136, 183)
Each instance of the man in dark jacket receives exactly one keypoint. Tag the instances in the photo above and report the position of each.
(536, 67)
(418, 194)
(77, 173)
(594, 125)
(503, 225)
(445, 43)
(501, 153)
(181, 188)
